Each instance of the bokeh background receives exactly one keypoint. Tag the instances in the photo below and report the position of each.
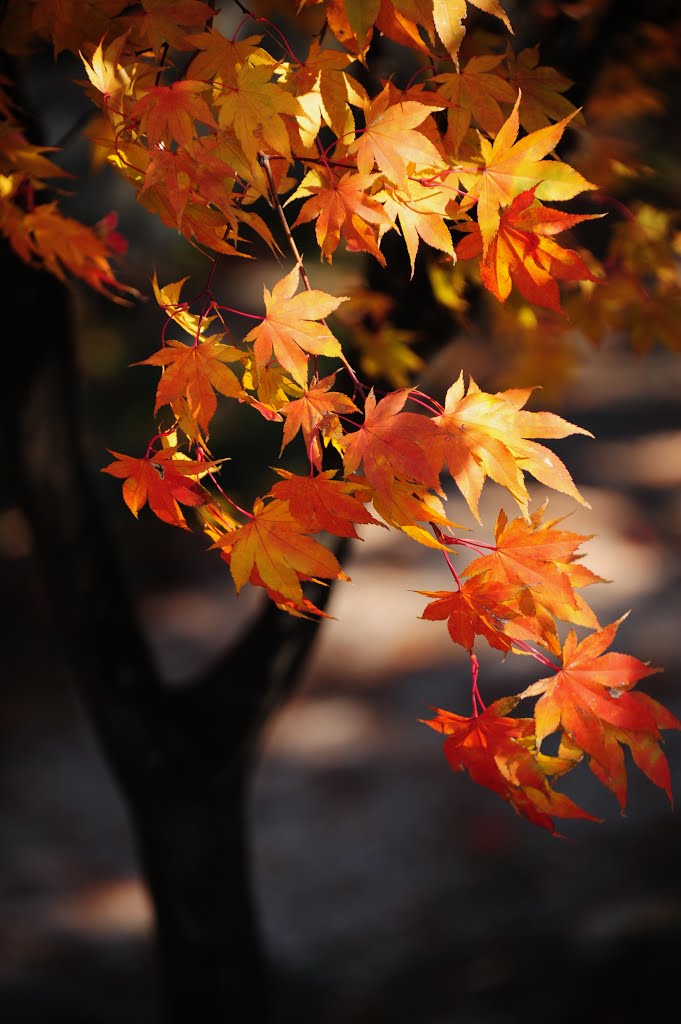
(389, 888)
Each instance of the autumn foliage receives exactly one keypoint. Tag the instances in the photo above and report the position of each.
(214, 120)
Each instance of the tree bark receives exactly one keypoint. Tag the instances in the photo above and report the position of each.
(182, 757)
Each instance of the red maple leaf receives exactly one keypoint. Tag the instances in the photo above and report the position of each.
(523, 253)
(500, 753)
(393, 444)
(161, 478)
(589, 698)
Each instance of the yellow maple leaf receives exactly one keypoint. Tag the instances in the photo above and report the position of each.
(274, 544)
(509, 167)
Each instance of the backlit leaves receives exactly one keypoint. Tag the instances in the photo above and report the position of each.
(500, 752)
(274, 545)
(216, 135)
(509, 166)
(391, 142)
(483, 435)
(290, 330)
(589, 698)
(164, 480)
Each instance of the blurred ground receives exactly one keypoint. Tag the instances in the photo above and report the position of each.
(390, 889)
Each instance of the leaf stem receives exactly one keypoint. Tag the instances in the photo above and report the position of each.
(476, 697)
(264, 161)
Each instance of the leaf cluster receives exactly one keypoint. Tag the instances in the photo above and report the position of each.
(211, 126)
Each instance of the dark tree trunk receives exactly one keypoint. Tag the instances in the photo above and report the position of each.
(182, 757)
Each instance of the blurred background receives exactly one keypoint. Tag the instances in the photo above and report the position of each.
(389, 888)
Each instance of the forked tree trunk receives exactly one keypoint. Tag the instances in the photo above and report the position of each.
(182, 757)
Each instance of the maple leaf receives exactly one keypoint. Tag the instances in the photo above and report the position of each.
(167, 113)
(391, 142)
(290, 328)
(255, 107)
(448, 16)
(316, 404)
(166, 24)
(541, 89)
(406, 505)
(324, 92)
(65, 246)
(338, 15)
(161, 478)
(420, 210)
(474, 93)
(392, 444)
(509, 168)
(196, 372)
(274, 544)
(401, 21)
(521, 253)
(105, 72)
(218, 57)
(323, 503)
(589, 698)
(478, 608)
(486, 435)
(540, 558)
(344, 208)
(500, 752)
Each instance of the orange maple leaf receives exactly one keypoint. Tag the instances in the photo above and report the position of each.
(290, 328)
(256, 109)
(521, 252)
(274, 545)
(308, 413)
(540, 558)
(500, 753)
(391, 142)
(486, 435)
(161, 479)
(420, 210)
(322, 503)
(167, 113)
(474, 93)
(196, 372)
(345, 208)
(406, 505)
(44, 236)
(478, 608)
(589, 699)
(508, 168)
(394, 22)
(392, 444)
(542, 90)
